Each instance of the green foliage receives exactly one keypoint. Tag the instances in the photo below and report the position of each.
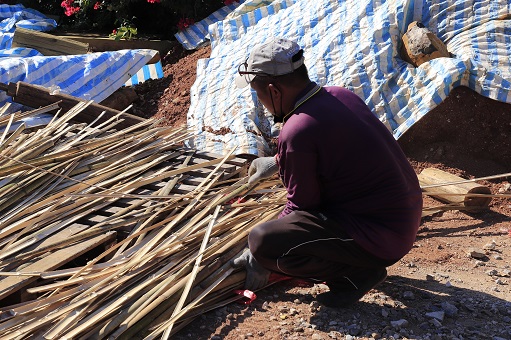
(126, 31)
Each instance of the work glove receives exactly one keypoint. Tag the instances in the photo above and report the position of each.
(257, 275)
(262, 167)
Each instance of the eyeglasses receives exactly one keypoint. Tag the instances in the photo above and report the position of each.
(242, 70)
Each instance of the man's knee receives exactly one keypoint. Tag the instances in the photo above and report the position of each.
(256, 238)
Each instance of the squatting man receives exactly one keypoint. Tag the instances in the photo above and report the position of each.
(353, 200)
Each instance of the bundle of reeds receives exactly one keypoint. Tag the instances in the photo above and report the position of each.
(168, 217)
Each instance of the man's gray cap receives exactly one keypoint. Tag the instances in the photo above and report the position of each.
(273, 58)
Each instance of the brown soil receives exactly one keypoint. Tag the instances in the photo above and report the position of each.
(467, 135)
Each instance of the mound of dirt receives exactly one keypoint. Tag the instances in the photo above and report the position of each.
(454, 284)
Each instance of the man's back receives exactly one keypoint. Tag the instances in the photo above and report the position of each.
(338, 158)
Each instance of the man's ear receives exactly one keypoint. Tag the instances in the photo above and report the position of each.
(275, 91)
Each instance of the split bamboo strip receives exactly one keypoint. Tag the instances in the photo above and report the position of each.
(4, 108)
(7, 128)
(193, 274)
(19, 115)
(468, 180)
(55, 274)
(78, 280)
(20, 274)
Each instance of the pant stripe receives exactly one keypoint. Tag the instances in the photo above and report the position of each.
(308, 242)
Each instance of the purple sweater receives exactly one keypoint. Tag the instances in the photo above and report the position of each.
(336, 157)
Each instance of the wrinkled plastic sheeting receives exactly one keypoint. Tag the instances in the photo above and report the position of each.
(354, 44)
(92, 76)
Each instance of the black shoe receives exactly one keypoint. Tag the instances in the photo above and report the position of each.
(342, 298)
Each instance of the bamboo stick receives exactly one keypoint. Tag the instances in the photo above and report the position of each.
(193, 274)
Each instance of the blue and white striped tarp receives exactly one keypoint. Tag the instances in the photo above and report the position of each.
(355, 44)
(92, 76)
(197, 34)
(12, 16)
(149, 71)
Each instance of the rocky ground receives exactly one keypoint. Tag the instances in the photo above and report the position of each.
(455, 282)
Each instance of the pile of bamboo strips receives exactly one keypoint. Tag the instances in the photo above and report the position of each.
(172, 262)
(171, 265)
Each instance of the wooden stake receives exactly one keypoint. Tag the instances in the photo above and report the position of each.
(431, 178)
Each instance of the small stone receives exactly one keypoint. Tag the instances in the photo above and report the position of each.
(500, 282)
(476, 253)
(408, 295)
(399, 323)
(216, 337)
(384, 313)
(492, 272)
(497, 257)
(448, 284)
(283, 309)
(436, 315)
(435, 323)
(449, 309)
(490, 246)
(430, 277)
(354, 329)
(479, 263)
(316, 336)
(505, 187)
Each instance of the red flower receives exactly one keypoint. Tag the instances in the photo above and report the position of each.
(184, 23)
(97, 5)
(228, 2)
(154, 1)
(114, 32)
(69, 9)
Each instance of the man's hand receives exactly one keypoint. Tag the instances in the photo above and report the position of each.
(262, 167)
(257, 275)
